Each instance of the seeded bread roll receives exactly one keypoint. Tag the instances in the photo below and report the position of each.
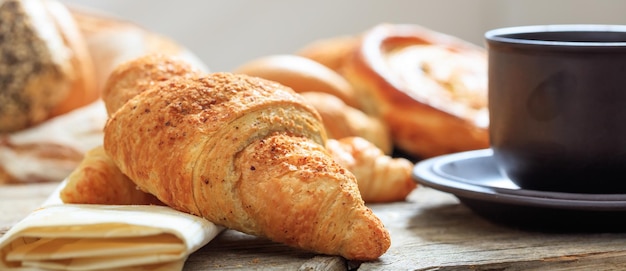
(54, 60)
(45, 68)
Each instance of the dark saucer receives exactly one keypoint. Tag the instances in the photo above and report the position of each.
(475, 180)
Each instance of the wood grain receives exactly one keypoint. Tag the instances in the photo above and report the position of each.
(430, 231)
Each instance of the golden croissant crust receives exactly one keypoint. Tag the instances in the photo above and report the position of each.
(97, 180)
(381, 178)
(245, 153)
(341, 120)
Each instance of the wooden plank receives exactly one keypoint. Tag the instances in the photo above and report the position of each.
(434, 232)
(431, 231)
(234, 250)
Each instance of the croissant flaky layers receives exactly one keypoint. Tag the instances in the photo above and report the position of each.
(242, 152)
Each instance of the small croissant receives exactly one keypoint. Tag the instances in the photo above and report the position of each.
(381, 178)
(96, 180)
(242, 152)
(341, 120)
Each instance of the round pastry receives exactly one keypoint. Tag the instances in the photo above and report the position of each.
(430, 88)
(301, 74)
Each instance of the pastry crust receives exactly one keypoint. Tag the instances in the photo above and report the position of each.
(430, 88)
(125, 83)
(83, 89)
(301, 74)
(246, 153)
(381, 178)
(97, 180)
(341, 120)
(331, 95)
(45, 69)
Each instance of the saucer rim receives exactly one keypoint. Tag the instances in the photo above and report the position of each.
(428, 173)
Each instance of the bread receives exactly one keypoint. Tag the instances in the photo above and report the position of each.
(51, 113)
(45, 69)
(341, 120)
(245, 153)
(301, 74)
(381, 178)
(97, 180)
(430, 88)
(331, 95)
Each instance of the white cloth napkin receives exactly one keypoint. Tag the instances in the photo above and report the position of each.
(61, 236)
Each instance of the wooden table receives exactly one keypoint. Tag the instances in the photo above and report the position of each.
(430, 231)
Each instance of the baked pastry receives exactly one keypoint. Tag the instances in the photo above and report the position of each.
(331, 95)
(301, 74)
(97, 180)
(45, 68)
(143, 76)
(245, 153)
(341, 120)
(55, 61)
(428, 87)
(381, 178)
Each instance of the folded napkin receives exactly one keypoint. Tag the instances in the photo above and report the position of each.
(61, 236)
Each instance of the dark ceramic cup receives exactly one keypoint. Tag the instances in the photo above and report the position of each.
(557, 102)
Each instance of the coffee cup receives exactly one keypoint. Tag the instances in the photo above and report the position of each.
(557, 106)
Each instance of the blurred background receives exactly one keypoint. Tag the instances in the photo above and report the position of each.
(226, 34)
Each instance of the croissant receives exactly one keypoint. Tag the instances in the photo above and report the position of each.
(331, 95)
(142, 76)
(381, 178)
(301, 74)
(245, 153)
(97, 180)
(341, 120)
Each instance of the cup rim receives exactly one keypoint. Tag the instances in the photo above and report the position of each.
(497, 35)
